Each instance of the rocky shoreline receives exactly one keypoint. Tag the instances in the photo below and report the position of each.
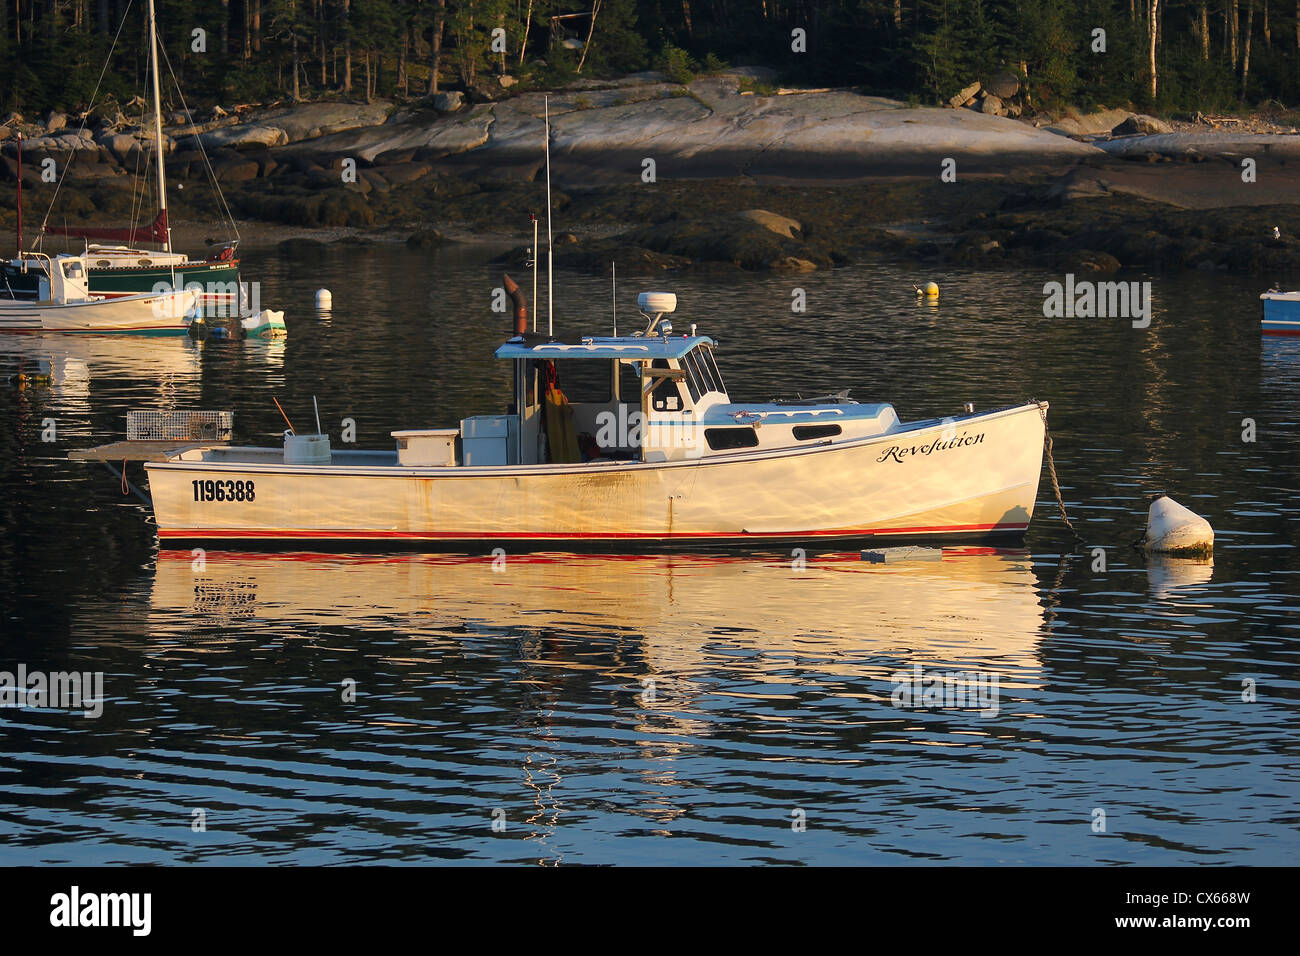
(722, 173)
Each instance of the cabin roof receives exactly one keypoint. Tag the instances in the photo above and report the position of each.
(598, 347)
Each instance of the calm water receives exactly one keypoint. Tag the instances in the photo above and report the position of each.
(669, 709)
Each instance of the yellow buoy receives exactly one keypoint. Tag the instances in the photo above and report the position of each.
(930, 290)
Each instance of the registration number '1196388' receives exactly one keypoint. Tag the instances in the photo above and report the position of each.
(223, 490)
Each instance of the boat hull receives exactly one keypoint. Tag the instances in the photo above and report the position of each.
(973, 478)
(1281, 313)
(134, 315)
(120, 281)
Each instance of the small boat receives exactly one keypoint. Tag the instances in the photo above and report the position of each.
(1281, 313)
(663, 457)
(64, 304)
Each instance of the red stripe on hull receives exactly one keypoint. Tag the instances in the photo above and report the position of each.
(197, 534)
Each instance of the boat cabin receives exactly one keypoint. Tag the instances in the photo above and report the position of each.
(644, 398)
(61, 279)
(653, 396)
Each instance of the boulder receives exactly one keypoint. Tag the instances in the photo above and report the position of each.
(425, 239)
(1140, 124)
(992, 106)
(120, 145)
(743, 241)
(1003, 85)
(55, 121)
(506, 81)
(781, 225)
(236, 170)
(244, 136)
(448, 102)
(793, 264)
(402, 173)
(965, 96)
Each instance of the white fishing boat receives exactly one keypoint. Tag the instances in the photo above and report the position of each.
(661, 456)
(666, 458)
(64, 304)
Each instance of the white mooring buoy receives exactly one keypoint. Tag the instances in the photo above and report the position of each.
(324, 300)
(1173, 529)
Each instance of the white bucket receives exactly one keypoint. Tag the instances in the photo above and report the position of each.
(306, 449)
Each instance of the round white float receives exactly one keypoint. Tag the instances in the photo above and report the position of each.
(324, 300)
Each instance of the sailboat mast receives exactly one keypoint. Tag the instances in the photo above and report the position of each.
(20, 194)
(157, 129)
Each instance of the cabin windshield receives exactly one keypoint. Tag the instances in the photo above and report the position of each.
(702, 374)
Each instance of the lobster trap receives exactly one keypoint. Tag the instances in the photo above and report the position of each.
(179, 426)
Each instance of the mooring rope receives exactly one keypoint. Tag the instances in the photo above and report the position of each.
(1051, 468)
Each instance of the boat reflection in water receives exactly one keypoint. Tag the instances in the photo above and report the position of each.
(976, 607)
(594, 688)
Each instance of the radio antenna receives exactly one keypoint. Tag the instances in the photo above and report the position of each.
(550, 314)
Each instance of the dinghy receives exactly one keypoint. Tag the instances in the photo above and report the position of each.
(664, 457)
(64, 304)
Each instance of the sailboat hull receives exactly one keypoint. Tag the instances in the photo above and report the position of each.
(974, 478)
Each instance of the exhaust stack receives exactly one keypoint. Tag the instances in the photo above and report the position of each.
(521, 306)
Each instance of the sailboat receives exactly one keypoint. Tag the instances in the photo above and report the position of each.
(125, 268)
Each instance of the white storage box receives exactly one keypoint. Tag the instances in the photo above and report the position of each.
(489, 440)
(426, 447)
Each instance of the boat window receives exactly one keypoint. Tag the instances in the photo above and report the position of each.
(724, 438)
(809, 432)
(103, 262)
(693, 380)
(585, 381)
(629, 383)
(72, 270)
(703, 372)
(665, 396)
(706, 357)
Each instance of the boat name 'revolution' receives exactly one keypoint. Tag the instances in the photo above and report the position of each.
(899, 452)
